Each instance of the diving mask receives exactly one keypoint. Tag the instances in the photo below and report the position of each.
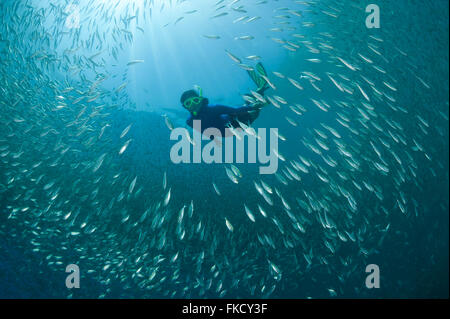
(194, 104)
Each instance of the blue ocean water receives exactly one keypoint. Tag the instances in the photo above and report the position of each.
(90, 92)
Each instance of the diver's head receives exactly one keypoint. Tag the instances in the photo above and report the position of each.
(193, 101)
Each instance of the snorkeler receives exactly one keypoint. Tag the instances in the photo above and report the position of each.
(220, 116)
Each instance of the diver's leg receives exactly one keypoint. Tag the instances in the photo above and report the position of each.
(253, 116)
(250, 116)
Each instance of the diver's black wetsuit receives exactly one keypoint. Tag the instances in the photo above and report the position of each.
(220, 116)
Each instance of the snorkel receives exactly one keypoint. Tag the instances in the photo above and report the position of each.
(194, 103)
